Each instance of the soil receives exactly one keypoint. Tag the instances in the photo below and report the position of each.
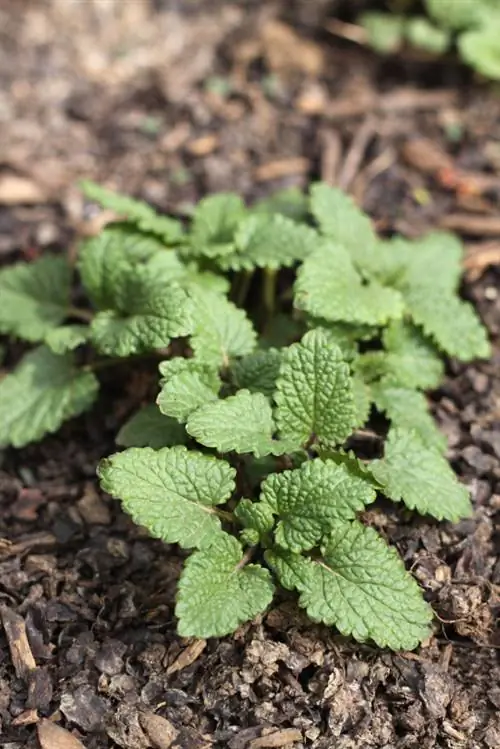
(170, 101)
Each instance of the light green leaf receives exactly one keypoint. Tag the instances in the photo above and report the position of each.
(438, 251)
(309, 501)
(169, 266)
(255, 516)
(155, 313)
(217, 592)
(423, 34)
(362, 400)
(269, 241)
(314, 393)
(385, 31)
(67, 338)
(136, 211)
(41, 393)
(360, 586)
(344, 335)
(186, 386)
(105, 265)
(329, 286)
(242, 422)
(420, 477)
(408, 409)
(409, 359)
(452, 323)
(222, 331)
(35, 297)
(258, 371)
(148, 427)
(290, 202)
(459, 15)
(214, 223)
(172, 492)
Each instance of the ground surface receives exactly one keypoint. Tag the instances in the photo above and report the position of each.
(170, 101)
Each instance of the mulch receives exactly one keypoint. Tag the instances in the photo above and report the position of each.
(169, 105)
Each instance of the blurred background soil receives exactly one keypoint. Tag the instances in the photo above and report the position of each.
(170, 100)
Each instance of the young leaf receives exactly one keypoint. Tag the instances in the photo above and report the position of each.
(314, 393)
(169, 266)
(35, 297)
(258, 371)
(187, 385)
(255, 516)
(242, 422)
(67, 338)
(362, 395)
(148, 427)
(269, 241)
(479, 48)
(423, 34)
(217, 592)
(453, 15)
(408, 409)
(329, 286)
(155, 313)
(452, 323)
(309, 501)
(41, 393)
(420, 477)
(172, 492)
(221, 330)
(344, 335)
(385, 31)
(360, 586)
(290, 202)
(136, 211)
(214, 223)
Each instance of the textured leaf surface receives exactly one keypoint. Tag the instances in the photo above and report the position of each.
(242, 422)
(408, 409)
(329, 286)
(360, 586)
(187, 385)
(222, 330)
(314, 393)
(255, 516)
(136, 211)
(362, 400)
(420, 477)
(67, 338)
(34, 297)
(214, 223)
(43, 391)
(258, 371)
(266, 241)
(156, 313)
(148, 427)
(172, 491)
(311, 499)
(217, 593)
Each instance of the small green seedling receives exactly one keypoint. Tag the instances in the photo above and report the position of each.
(293, 325)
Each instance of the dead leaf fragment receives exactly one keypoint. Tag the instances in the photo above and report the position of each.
(203, 146)
(281, 168)
(159, 730)
(52, 736)
(276, 739)
(285, 51)
(16, 190)
(20, 651)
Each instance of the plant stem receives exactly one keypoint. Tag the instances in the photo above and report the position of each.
(269, 291)
(242, 287)
(246, 558)
(228, 517)
(82, 314)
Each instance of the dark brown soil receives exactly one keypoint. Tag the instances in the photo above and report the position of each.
(170, 101)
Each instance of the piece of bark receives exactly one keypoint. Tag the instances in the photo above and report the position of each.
(159, 730)
(52, 736)
(276, 739)
(20, 651)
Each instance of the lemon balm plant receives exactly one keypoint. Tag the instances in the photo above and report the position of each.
(283, 327)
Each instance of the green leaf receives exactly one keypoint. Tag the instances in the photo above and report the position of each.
(258, 371)
(329, 286)
(344, 335)
(35, 297)
(409, 359)
(423, 34)
(105, 267)
(452, 323)
(67, 338)
(420, 477)
(41, 393)
(222, 330)
(479, 49)
(136, 211)
(214, 223)
(360, 586)
(172, 492)
(459, 15)
(385, 31)
(255, 516)
(314, 393)
(148, 427)
(155, 314)
(310, 500)
(362, 400)
(438, 251)
(290, 202)
(169, 266)
(242, 422)
(340, 219)
(408, 409)
(269, 241)
(217, 592)
(187, 385)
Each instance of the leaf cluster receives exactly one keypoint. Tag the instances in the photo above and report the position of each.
(246, 459)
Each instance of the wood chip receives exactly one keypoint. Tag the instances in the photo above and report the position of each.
(20, 651)
(281, 168)
(276, 738)
(488, 226)
(52, 736)
(203, 146)
(159, 730)
(92, 508)
(16, 190)
(479, 256)
(285, 51)
(426, 156)
(26, 718)
(188, 656)
(399, 100)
